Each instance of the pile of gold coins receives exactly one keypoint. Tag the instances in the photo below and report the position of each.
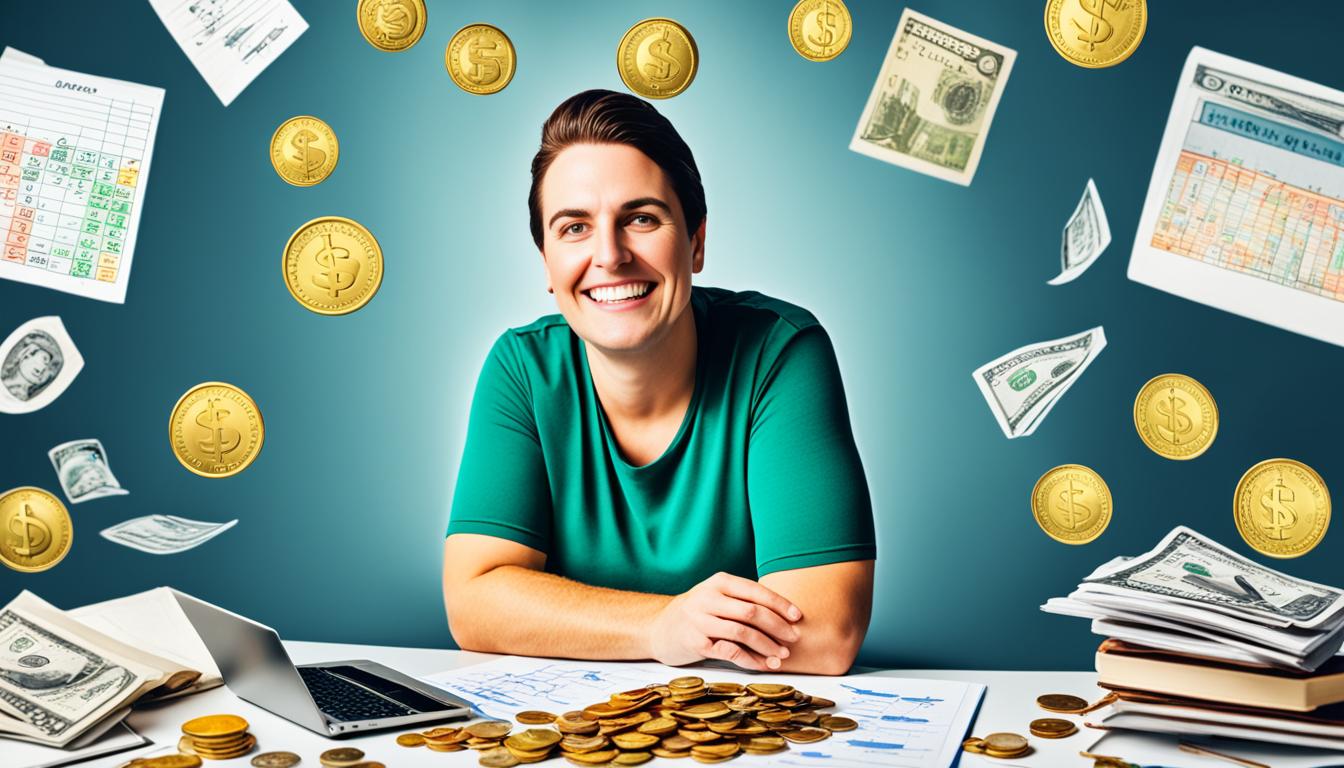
(1009, 745)
(216, 737)
(708, 722)
(1005, 745)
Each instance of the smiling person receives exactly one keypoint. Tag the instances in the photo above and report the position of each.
(660, 471)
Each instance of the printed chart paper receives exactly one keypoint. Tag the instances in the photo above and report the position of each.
(1245, 210)
(74, 164)
(903, 723)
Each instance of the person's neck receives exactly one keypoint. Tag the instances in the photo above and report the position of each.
(647, 384)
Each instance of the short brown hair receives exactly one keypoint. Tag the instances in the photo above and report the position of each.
(608, 117)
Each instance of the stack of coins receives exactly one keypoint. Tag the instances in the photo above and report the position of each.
(708, 722)
(216, 737)
(1005, 745)
(1052, 728)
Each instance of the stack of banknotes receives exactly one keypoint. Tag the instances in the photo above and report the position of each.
(1190, 595)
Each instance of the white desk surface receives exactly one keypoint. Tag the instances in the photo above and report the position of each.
(1009, 705)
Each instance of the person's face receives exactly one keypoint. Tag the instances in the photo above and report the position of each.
(35, 367)
(610, 216)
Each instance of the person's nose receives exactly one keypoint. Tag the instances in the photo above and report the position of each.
(609, 249)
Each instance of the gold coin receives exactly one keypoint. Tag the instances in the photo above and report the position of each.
(1095, 33)
(1052, 728)
(1061, 702)
(215, 430)
(215, 726)
(1005, 742)
(304, 150)
(275, 760)
(166, 761)
(974, 744)
(491, 729)
(332, 265)
(1176, 416)
(1282, 508)
(481, 59)
(341, 755)
(820, 29)
(37, 531)
(534, 717)
(499, 757)
(657, 59)
(391, 25)
(836, 723)
(1072, 504)
(411, 740)
(633, 757)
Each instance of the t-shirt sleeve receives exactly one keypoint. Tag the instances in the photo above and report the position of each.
(502, 488)
(805, 482)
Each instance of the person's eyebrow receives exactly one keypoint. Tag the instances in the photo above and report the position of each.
(628, 205)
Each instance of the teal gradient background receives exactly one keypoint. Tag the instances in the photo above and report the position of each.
(918, 281)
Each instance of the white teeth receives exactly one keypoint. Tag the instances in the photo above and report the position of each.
(619, 292)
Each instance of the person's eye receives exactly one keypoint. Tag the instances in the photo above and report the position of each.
(573, 228)
(643, 219)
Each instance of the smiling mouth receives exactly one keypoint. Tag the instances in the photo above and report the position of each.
(620, 294)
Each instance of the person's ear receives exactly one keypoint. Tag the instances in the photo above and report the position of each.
(698, 247)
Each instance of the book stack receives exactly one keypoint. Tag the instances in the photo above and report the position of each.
(1200, 640)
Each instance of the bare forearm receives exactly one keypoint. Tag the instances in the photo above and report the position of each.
(511, 609)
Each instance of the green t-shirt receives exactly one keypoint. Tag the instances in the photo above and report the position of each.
(762, 476)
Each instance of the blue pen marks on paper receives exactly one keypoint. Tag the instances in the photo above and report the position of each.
(904, 719)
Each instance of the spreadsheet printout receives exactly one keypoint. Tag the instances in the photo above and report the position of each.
(1245, 210)
(74, 165)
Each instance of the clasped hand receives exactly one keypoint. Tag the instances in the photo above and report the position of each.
(726, 617)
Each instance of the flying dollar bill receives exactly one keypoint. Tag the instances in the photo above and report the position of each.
(81, 466)
(164, 534)
(1085, 236)
(37, 362)
(1022, 386)
(934, 99)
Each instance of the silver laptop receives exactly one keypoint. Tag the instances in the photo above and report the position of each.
(335, 699)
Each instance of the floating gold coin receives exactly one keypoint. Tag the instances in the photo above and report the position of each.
(1282, 508)
(481, 59)
(37, 531)
(1061, 702)
(820, 29)
(304, 150)
(215, 430)
(1095, 33)
(1052, 728)
(1176, 416)
(332, 265)
(392, 25)
(657, 58)
(1072, 504)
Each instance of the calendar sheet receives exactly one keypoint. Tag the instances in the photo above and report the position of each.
(74, 165)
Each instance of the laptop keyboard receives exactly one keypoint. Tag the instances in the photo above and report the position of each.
(343, 700)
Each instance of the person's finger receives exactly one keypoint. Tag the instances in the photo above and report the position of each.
(755, 615)
(731, 652)
(745, 636)
(746, 589)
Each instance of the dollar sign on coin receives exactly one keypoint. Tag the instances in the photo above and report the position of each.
(391, 25)
(825, 35)
(309, 157)
(338, 270)
(21, 525)
(663, 67)
(1281, 516)
(1098, 29)
(1071, 508)
(1177, 423)
(484, 57)
(221, 439)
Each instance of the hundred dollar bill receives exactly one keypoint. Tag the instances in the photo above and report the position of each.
(1187, 568)
(1085, 236)
(37, 362)
(164, 534)
(934, 99)
(60, 679)
(81, 466)
(1022, 386)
